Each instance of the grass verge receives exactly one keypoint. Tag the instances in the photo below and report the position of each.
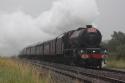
(12, 71)
(114, 63)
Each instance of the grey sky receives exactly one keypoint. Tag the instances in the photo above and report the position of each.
(112, 17)
(34, 7)
(111, 12)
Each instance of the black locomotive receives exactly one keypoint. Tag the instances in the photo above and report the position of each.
(81, 46)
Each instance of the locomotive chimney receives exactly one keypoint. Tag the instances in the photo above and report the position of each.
(88, 26)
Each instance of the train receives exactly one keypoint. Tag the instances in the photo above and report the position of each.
(76, 47)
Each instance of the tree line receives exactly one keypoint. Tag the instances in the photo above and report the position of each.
(116, 45)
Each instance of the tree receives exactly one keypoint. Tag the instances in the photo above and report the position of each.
(117, 45)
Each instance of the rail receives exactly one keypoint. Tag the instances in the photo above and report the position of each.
(83, 74)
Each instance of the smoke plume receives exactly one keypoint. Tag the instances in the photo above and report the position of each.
(68, 14)
(19, 29)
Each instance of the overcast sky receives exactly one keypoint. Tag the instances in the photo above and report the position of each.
(24, 12)
(112, 16)
(112, 12)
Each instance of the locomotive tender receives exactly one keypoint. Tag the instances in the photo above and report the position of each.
(81, 46)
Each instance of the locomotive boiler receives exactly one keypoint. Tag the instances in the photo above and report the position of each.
(79, 47)
(84, 37)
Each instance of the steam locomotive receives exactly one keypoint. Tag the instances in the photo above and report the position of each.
(75, 47)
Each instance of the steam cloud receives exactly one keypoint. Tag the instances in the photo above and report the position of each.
(19, 29)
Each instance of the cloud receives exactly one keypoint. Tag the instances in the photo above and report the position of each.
(68, 14)
(19, 29)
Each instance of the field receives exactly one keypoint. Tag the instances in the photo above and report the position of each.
(12, 71)
(114, 63)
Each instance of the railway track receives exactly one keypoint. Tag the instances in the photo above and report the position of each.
(83, 74)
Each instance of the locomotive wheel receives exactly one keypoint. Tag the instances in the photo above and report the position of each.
(100, 67)
(73, 60)
(72, 63)
(102, 64)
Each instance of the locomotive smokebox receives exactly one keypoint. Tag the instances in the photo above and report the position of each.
(85, 37)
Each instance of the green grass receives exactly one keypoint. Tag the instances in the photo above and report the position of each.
(116, 63)
(12, 71)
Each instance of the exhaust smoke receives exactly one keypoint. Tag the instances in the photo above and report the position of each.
(19, 29)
